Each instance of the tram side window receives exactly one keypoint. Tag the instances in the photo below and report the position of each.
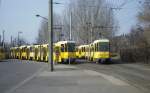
(56, 49)
(47, 48)
(76, 49)
(21, 50)
(95, 47)
(66, 48)
(28, 50)
(79, 51)
(44, 50)
(62, 48)
(36, 50)
(86, 49)
(41, 49)
(83, 49)
(92, 48)
(31, 50)
(24, 49)
(99, 46)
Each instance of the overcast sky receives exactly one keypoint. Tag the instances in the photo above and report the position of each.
(19, 15)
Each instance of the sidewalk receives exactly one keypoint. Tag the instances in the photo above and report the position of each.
(69, 79)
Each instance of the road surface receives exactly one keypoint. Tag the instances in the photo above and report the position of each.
(18, 74)
(135, 74)
(12, 72)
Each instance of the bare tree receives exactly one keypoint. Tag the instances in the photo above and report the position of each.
(43, 30)
(91, 19)
(21, 41)
(144, 19)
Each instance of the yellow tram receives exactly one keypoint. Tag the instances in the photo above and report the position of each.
(23, 52)
(44, 52)
(2, 53)
(100, 51)
(31, 54)
(64, 51)
(37, 49)
(77, 51)
(13, 52)
(18, 53)
(81, 51)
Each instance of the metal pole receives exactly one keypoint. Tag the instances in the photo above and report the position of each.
(11, 40)
(91, 33)
(0, 40)
(19, 42)
(70, 26)
(92, 19)
(18, 38)
(3, 38)
(70, 38)
(50, 37)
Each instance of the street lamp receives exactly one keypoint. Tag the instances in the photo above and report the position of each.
(56, 3)
(50, 32)
(54, 26)
(41, 17)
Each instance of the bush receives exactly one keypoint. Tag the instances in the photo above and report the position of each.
(135, 54)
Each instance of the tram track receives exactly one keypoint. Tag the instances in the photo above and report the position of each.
(137, 76)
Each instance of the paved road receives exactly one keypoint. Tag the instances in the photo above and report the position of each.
(135, 74)
(16, 74)
(12, 72)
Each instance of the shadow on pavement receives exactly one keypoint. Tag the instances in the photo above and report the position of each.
(3, 61)
(112, 62)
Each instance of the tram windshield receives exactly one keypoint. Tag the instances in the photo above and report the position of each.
(104, 46)
(71, 47)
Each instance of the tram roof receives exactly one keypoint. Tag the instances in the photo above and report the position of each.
(22, 46)
(83, 46)
(63, 42)
(44, 45)
(101, 40)
(13, 47)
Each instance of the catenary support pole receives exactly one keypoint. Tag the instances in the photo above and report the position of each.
(50, 37)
